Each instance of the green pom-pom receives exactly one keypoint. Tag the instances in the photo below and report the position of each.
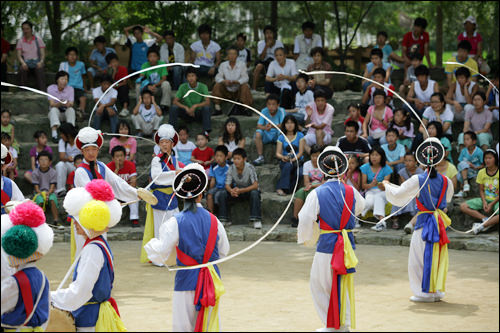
(20, 241)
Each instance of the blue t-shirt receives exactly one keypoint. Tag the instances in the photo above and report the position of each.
(139, 55)
(386, 50)
(396, 154)
(219, 173)
(385, 66)
(367, 170)
(101, 59)
(75, 73)
(277, 119)
(475, 158)
(447, 146)
(295, 142)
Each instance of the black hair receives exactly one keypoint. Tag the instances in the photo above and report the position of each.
(44, 153)
(232, 47)
(421, 70)
(183, 128)
(440, 96)
(110, 57)
(205, 28)
(124, 123)
(7, 111)
(71, 48)
(238, 135)
(28, 23)
(273, 97)
(270, 27)
(316, 149)
(377, 52)
(472, 135)
(420, 22)
(317, 49)
(354, 105)
(77, 157)
(462, 71)
(241, 152)
(411, 154)
(203, 134)
(439, 128)
(380, 71)
(241, 35)
(407, 120)
(392, 130)
(146, 91)
(303, 76)
(464, 45)
(308, 25)
(137, 27)
(492, 152)
(61, 74)
(106, 78)
(382, 33)
(68, 130)
(379, 92)
(352, 123)
(319, 93)
(416, 55)
(223, 149)
(117, 149)
(169, 33)
(191, 70)
(153, 50)
(39, 133)
(6, 136)
(295, 122)
(279, 49)
(381, 152)
(480, 93)
(100, 39)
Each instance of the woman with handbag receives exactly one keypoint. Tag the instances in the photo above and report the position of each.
(31, 56)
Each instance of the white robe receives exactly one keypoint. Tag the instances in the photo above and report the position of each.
(399, 196)
(183, 313)
(17, 195)
(321, 272)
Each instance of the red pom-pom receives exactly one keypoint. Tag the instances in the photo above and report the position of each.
(100, 190)
(28, 214)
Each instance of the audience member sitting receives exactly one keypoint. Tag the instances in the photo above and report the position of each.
(10, 169)
(478, 119)
(319, 121)
(288, 162)
(410, 77)
(351, 142)
(206, 52)
(244, 53)
(67, 151)
(394, 151)
(435, 130)
(448, 169)
(61, 111)
(377, 119)
(320, 81)
(474, 38)
(191, 107)
(232, 81)
(202, 154)
(173, 52)
(280, 78)
(147, 115)
(487, 178)
(138, 46)
(265, 53)
(492, 95)
(469, 162)
(232, 137)
(266, 133)
(122, 139)
(460, 60)
(421, 91)
(118, 72)
(368, 95)
(354, 111)
(106, 105)
(303, 45)
(31, 56)
(352, 176)
(44, 183)
(303, 97)
(8, 127)
(389, 54)
(459, 95)
(217, 175)
(76, 70)
(376, 61)
(416, 40)
(70, 180)
(97, 59)
(438, 111)
(41, 145)
(402, 123)
(184, 148)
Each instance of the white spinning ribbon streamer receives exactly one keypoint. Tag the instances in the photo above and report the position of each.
(5, 84)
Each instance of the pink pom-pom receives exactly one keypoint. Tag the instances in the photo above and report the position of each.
(28, 214)
(100, 190)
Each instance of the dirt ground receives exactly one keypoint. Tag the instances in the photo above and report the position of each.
(267, 289)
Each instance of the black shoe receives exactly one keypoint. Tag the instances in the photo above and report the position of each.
(217, 112)
(55, 139)
(135, 224)
(164, 109)
(295, 222)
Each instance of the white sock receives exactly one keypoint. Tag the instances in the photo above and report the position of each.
(217, 107)
(54, 133)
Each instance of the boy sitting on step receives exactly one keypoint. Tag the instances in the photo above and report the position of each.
(44, 181)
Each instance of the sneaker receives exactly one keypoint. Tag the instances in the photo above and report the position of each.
(225, 222)
(408, 228)
(253, 91)
(135, 224)
(259, 160)
(295, 222)
(79, 115)
(124, 113)
(420, 299)
(379, 227)
(395, 224)
(459, 195)
(55, 139)
(466, 187)
(357, 225)
(61, 194)
(479, 227)
(257, 224)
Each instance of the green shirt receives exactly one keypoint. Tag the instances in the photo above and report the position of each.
(193, 98)
(155, 75)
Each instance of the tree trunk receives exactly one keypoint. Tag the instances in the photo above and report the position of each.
(339, 32)
(53, 11)
(495, 34)
(274, 14)
(439, 35)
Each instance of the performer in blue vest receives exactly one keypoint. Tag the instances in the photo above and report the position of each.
(94, 210)
(198, 237)
(328, 217)
(25, 295)
(10, 191)
(428, 257)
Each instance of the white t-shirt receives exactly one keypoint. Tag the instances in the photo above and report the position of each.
(147, 114)
(301, 100)
(269, 51)
(446, 116)
(205, 57)
(68, 149)
(97, 93)
(289, 69)
(315, 175)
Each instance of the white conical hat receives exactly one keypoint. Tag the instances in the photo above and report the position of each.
(6, 156)
(89, 136)
(166, 131)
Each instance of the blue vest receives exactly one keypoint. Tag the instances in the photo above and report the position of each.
(87, 315)
(437, 185)
(164, 198)
(41, 315)
(102, 170)
(7, 189)
(194, 229)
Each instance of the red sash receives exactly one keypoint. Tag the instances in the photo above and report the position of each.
(168, 162)
(26, 293)
(5, 198)
(87, 167)
(205, 285)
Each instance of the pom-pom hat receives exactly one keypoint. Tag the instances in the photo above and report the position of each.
(166, 132)
(430, 152)
(191, 181)
(6, 156)
(89, 136)
(330, 159)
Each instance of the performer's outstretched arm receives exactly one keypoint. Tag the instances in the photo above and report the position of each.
(307, 217)
(165, 177)
(10, 294)
(400, 195)
(159, 250)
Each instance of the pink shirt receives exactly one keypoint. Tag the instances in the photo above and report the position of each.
(130, 146)
(29, 49)
(375, 123)
(474, 40)
(325, 118)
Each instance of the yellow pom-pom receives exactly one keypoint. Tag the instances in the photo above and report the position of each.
(95, 215)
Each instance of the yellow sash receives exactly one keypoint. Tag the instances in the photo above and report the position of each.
(44, 196)
(108, 320)
(212, 324)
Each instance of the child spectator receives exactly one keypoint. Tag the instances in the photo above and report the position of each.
(192, 107)
(421, 90)
(58, 111)
(435, 130)
(377, 119)
(11, 169)
(97, 59)
(265, 53)
(389, 54)
(478, 120)
(313, 177)
(354, 111)
(394, 151)
(288, 162)
(8, 127)
(76, 70)
(202, 154)
(147, 115)
(217, 175)
(319, 119)
(280, 78)
(41, 145)
(320, 81)
(107, 104)
(448, 169)
(122, 139)
(244, 53)
(266, 133)
(459, 95)
(44, 182)
(438, 111)
(469, 162)
(416, 40)
(232, 137)
(462, 58)
(173, 52)
(402, 123)
(492, 95)
(206, 52)
(303, 97)
(70, 181)
(184, 148)
(376, 61)
(118, 72)
(155, 80)
(303, 45)
(373, 174)
(367, 99)
(138, 46)
(352, 176)
(351, 142)
(67, 151)
(241, 184)
(125, 170)
(487, 178)
(410, 77)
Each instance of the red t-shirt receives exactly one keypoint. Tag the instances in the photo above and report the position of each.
(474, 40)
(5, 46)
(121, 73)
(126, 172)
(71, 178)
(203, 155)
(415, 45)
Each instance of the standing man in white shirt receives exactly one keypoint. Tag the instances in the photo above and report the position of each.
(304, 44)
(206, 52)
(265, 53)
(172, 52)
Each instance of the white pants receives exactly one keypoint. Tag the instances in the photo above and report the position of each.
(184, 313)
(85, 329)
(160, 217)
(311, 139)
(165, 91)
(144, 126)
(63, 169)
(375, 199)
(321, 287)
(416, 265)
(134, 211)
(56, 116)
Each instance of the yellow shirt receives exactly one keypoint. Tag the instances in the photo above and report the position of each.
(452, 68)
(490, 184)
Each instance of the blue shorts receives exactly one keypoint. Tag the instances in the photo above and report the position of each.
(268, 136)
